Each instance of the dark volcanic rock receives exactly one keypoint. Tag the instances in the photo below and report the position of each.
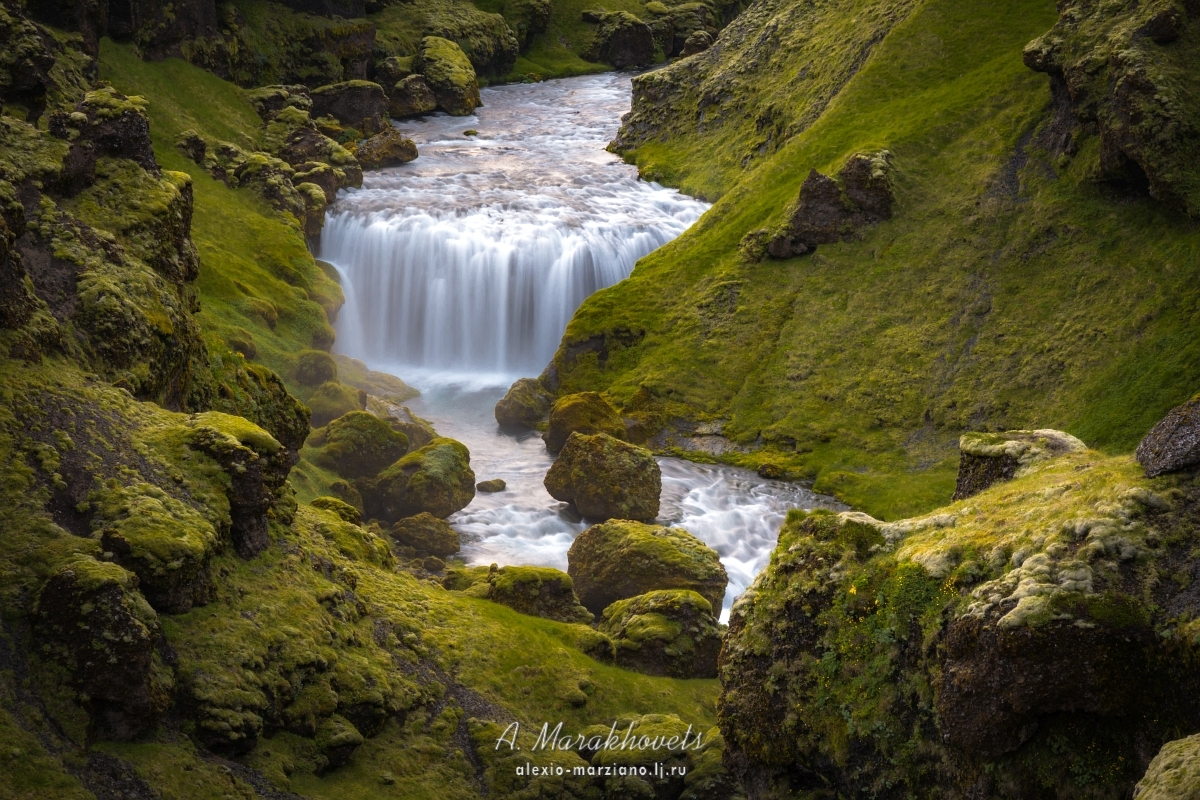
(359, 104)
(697, 42)
(831, 211)
(605, 478)
(411, 96)
(91, 619)
(1174, 443)
(388, 149)
(621, 39)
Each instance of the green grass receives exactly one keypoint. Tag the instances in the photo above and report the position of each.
(860, 365)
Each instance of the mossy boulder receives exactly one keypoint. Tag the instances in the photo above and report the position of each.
(393, 69)
(527, 18)
(426, 535)
(387, 149)
(360, 444)
(450, 76)
(1174, 443)
(343, 509)
(258, 394)
(988, 458)
(666, 632)
(1174, 774)
(525, 405)
(586, 412)
(93, 622)
(621, 39)
(605, 478)
(411, 96)
(332, 400)
(492, 486)
(538, 591)
(1047, 652)
(336, 739)
(270, 100)
(620, 559)
(314, 367)
(436, 478)
(359, 104)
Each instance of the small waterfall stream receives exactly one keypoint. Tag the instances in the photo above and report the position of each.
(461, 271)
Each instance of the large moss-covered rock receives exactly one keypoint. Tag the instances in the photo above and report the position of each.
(538, 591)
(666, 632)
(1122, 69)
(359, 445)
(360, 104)
(92, 621)
(621, 559)
(621, 39)
(426, 535)
(1174, 774)
(337, 739)
(1002, 643)
(527, 18)
(988, 458)
(526, 404)
(387, 149)
(332, 400)
(1174, 443)
(450, 76)
(605, 478)
(411, 96)
(437, 479)
(586, 412)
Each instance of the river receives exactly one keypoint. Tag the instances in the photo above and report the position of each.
(461, 270)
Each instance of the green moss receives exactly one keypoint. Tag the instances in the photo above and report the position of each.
(332, 400)
(450, 75)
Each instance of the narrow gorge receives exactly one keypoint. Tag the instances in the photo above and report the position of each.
(531, 399)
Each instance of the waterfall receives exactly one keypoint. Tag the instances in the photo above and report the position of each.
(473, 258)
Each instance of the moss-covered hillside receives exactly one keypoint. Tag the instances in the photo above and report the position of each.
(1026, 276)
(185, 610)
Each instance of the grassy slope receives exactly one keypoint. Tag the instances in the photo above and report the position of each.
(1064, 307)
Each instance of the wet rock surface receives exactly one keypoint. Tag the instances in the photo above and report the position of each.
(387, 149)
(605, 478)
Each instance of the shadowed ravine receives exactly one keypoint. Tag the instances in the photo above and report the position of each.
(461, 271)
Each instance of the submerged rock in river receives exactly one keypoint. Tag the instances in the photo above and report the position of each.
(605, 478)
(388, 149)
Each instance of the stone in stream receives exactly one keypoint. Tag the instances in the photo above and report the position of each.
(525, 405)
(989, 458)
(411, 96)
(586, 412)
(665, 632)
(450, 75)
(605, 478)
(388, 149)
(437, 478)
(620, 559)
(491, 486)
(359, 104)
(1174, 443)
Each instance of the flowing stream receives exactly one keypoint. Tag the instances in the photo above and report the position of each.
(461, 270)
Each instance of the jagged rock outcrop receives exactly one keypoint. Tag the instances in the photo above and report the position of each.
(436, 478)
(527, 18)
(1125, 70)
(488, 42)
(620, 559)
(977, 653)
(526, 404)
(450, 76)
(91, 620)
(989, 458)
(666, 632)
(1174, 443)
(829, 210)
(696, 42)
(586, 413)
(387, 149)
(621, 39)
(605, 478)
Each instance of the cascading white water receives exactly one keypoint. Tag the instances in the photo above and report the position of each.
(475, 256)
(461, 270)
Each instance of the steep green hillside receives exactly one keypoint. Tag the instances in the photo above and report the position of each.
(1011, 288)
